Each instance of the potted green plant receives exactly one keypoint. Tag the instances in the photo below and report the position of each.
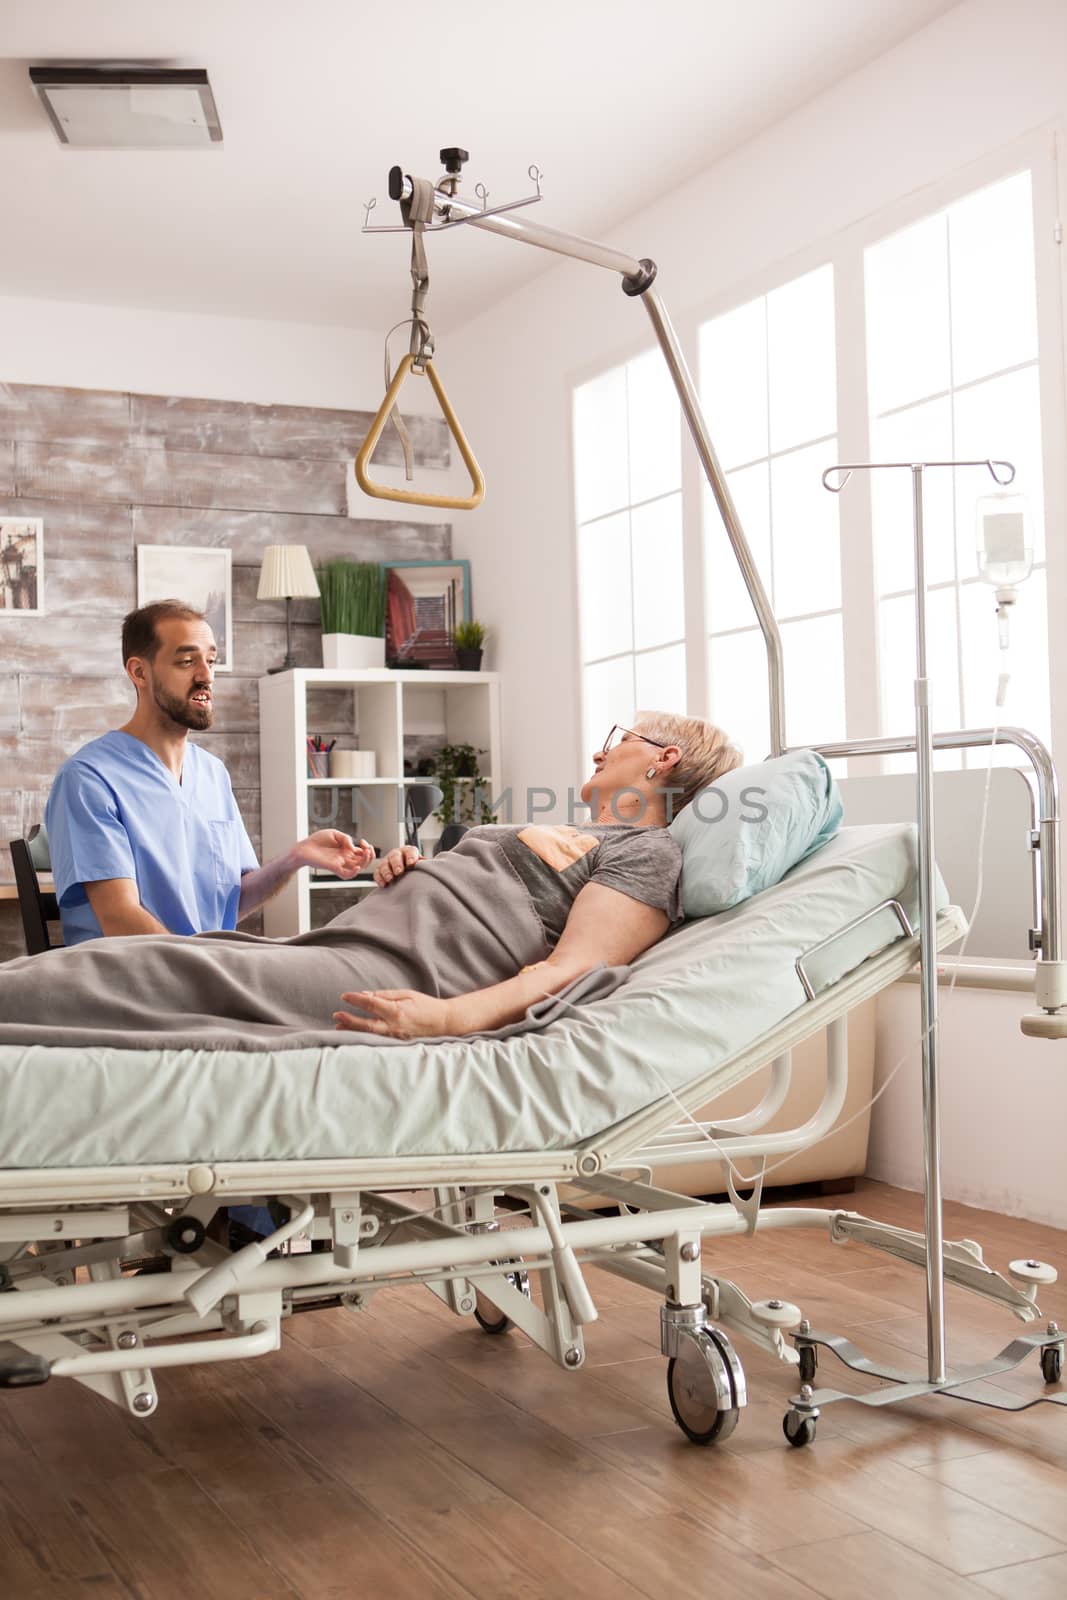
(457, 774)
(469, 637)
(352, 601)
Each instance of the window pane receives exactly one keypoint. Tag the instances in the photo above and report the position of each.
(804, 532)
(801, 359)
(654, 428)
(922, 433)
(737, 679)
(659, 593)
(604, 587)
(661, 680)
(1001, 418)
(994, 296)
(608, 698)
(727, 601)
(1028, 690)
(600, 472)
(898, 670)
(733, 382)
(907, 315)
(814, 680)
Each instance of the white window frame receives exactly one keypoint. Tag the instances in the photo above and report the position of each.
(844, 252)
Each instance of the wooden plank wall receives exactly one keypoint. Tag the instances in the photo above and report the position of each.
(109, 471)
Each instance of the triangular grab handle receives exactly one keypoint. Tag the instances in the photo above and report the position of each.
(412, 497)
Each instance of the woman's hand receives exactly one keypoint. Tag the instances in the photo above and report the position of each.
(335, 851)
(395, 864)
(395, 1013)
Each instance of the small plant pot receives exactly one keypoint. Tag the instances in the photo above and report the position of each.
(469, 660)
(350, 651)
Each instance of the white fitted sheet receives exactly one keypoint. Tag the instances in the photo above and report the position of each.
(695, 1003)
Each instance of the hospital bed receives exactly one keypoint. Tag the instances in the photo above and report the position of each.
(113, 1158)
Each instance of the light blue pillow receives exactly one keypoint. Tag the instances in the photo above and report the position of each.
(746, 831)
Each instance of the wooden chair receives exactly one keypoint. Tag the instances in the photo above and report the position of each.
(38, 906)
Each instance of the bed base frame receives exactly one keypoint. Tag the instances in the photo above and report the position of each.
(73, 1308)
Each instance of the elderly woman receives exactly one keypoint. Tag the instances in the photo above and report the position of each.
(460, 944)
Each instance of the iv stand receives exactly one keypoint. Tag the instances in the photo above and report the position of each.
(924, 747)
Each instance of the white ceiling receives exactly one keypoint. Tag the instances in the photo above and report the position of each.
(617, 101)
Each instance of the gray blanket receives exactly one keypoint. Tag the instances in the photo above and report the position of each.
(453, 924)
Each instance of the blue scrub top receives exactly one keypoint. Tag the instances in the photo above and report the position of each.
(115, 811)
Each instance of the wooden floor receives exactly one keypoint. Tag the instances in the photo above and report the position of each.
(400, 1452)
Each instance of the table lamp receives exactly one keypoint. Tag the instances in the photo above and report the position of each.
(286, 574)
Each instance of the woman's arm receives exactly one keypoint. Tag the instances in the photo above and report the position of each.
(605, 928)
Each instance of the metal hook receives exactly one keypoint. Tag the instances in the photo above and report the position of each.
(483, 194)
(1003, 482)
(534, 173)
(835, 488)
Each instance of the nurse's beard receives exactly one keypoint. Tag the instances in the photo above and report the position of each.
(184, 711)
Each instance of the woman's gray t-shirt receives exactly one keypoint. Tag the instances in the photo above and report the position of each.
(556, 861)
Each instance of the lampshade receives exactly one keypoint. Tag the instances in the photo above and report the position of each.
(286, 573)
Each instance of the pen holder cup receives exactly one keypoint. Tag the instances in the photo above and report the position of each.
(318, 763)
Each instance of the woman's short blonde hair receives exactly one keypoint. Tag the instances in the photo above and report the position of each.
(707, 752)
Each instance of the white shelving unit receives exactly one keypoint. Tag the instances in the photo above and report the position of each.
(366, 710)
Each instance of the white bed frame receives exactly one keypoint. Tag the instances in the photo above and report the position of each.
(68, 1238)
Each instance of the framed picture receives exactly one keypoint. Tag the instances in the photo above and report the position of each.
(424, 601)
(201, 577)
(21, 567)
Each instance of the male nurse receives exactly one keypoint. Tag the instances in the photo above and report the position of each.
(143, 829)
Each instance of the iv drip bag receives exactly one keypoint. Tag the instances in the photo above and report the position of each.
(1005, 540)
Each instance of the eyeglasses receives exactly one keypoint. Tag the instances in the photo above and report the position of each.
(618, 733)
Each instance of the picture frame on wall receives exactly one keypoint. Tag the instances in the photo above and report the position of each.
(21, 567)
(424, 601)
(201, 576)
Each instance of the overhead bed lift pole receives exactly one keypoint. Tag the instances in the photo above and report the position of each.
(637, 280)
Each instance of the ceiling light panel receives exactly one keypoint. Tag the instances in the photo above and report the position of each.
(134, 108)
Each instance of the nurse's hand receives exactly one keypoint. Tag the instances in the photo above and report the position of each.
(395, 864)
(335, 851)
(396, 1014)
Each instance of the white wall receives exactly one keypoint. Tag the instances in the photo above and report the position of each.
(206, 357)
(1004, 1104)
(83, 346)
(986, 73)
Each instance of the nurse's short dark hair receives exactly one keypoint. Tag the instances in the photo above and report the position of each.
(139, 636)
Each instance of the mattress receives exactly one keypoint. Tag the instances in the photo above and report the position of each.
(694, 1003)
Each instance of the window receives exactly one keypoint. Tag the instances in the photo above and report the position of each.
(952, 365)
(769, 391)
(627, 452)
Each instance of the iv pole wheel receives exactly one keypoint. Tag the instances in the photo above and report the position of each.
(1052, 1363)
(698, 1379)
(809, 1362)
(798, 1429)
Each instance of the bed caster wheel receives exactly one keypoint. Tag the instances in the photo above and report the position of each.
(809, 1362)
(700, 1388)
(488, 1318)
(486, 1314)
(1052, 1363)
(798, 1429)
